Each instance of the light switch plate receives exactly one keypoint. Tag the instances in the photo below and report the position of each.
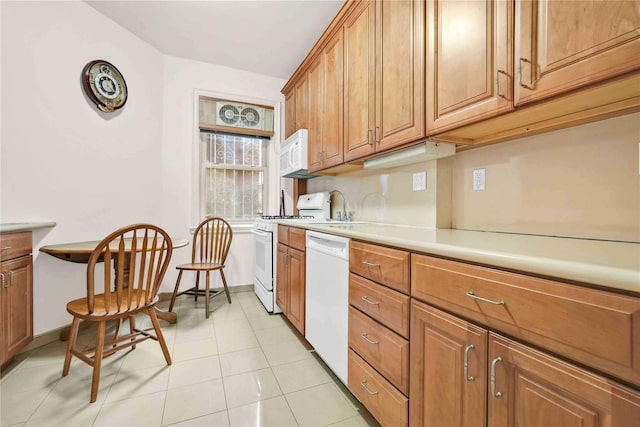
(419, 181)
(478, 179)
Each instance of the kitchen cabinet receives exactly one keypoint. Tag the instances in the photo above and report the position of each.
(384, 83)
(469, 61)
(289, 113)
(16, 294)
(378, 331)
(472, 377)
(296, 108)
(315, 79)
(449, 357)
(594, 327)
(290, 286)
(326, 106)
(565, 45)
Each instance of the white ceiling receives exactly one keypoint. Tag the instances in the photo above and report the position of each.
(269, 37)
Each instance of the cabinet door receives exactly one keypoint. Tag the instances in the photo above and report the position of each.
(282, 278)
(333, 133)
(469, 61)
(315, 79)
(289, 113)
(359, 81)
(296, 289)
(563, 45)
(302, 104)
(448, 370)
(530, 388)
(16, 305)
(400, 64)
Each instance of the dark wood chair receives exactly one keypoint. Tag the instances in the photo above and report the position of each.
(211, 243)
(140, 256)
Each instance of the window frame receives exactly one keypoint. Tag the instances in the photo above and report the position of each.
(272, 151)
(205, 165)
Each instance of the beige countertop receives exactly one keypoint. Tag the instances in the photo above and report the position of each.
(603, 263)
(12, 227)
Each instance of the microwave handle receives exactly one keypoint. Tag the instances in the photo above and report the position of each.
(291, 154)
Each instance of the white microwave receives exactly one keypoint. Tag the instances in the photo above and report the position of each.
(293, 155)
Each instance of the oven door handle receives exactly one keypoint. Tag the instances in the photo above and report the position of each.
(260, 233)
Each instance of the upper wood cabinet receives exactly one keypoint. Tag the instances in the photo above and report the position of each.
(564, 45)
(469, 61)
(384, 76)
(296, 108)
(289, 113)
(325, 77)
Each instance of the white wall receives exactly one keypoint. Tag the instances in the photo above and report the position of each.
(64, 160)
(183, 80)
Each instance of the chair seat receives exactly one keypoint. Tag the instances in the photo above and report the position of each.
(200, 266)
(78, 307)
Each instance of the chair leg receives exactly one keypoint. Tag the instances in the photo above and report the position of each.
(132, 327)
(156, 326)
(206, 296)
(73, 336)
(197, 283)
(226, 288)
(117, 331)
(97, 361)
(175, 291)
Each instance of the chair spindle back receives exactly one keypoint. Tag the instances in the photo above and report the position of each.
(135, 258)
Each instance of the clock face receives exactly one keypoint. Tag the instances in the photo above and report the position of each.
(104, 84)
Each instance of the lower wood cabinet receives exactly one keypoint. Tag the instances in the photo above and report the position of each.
(459, 369)
(290, 278)
(16, 294)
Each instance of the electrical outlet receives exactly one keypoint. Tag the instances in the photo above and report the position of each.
(419, 181)
(478, 179)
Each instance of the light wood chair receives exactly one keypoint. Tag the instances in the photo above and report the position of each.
(140, 256)
(211, 243)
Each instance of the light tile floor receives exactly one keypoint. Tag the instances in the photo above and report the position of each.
(240, 367)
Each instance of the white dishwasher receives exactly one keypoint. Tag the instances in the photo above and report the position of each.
(327, 299)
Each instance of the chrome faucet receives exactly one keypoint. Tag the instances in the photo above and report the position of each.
(341, 215)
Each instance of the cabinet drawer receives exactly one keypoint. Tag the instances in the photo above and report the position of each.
(13, 245)
(384, 402)
(387, 306)
(384, 350)
(387, 266)
(297, 238)
(598, 328)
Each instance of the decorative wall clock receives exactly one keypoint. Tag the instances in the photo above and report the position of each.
(104, 85)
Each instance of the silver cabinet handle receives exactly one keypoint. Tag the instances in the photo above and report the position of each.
(368, 301)
(500, 94)
(470, 294)
(533, 81)
(363, 383)
(377, 134)
(10, 278)
(370, 264)
(365, 337)
(5, 248)
(466, 362)
(4, 281)
(370, 137)
(493, 377)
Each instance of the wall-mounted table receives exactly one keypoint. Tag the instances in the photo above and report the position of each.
(79, 252)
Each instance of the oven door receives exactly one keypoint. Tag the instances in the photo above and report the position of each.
(263, 269)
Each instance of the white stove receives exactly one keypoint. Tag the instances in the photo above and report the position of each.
(315, 207)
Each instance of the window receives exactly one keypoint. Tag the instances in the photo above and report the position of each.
(233, 175)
